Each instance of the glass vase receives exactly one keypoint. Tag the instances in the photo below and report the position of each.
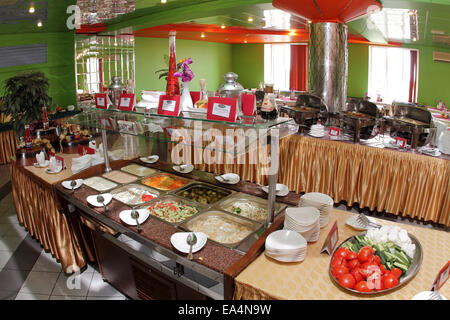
(186, 99)
(173, 87)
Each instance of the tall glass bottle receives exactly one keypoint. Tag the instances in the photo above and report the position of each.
(173, 87)
(45, 123)
(203, 101)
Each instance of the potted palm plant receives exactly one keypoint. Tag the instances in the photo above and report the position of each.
(24, 96)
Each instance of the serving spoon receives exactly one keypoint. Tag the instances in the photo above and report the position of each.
(101, 200)
(191, 240)
(73, 183)
(135, 216)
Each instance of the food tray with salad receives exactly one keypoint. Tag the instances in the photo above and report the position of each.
(203, 193)
(134, 194)
(221, 227)
(248, 206)
(172, 209)
(164, 181)
(376, 261)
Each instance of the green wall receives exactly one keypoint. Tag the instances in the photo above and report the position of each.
(248, 63)
(434, 81)
(59, 68)
(210, 61)
(358, 70)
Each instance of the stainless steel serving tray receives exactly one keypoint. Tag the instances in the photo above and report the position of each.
(170, 197)
(153, 171)
(412, 271)
(121, 172)
(260, 202)
(188, 187)
(122, 188)
(98, 190)
(252, 225)
(188, 181)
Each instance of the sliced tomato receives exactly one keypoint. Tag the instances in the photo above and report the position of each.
(383, 269)
(389, 281)
(338, 271)
(377, 260)
(396, 272)
(351, 255)
(365, 253)
(341, 252)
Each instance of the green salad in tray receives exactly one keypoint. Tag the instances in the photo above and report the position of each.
(172, 211)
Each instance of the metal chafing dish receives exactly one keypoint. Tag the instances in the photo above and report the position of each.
(359, 119)
(307, 111)
(411, 122)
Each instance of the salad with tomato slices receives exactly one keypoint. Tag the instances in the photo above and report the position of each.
(172, 211)
(364, 265)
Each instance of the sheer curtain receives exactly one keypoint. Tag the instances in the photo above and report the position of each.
(277, 65)
(389, 73)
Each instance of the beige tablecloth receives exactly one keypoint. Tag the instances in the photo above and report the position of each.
(266, 278)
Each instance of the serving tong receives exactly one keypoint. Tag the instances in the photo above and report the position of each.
(364, 222)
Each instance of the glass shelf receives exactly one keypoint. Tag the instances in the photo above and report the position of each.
(189, 129)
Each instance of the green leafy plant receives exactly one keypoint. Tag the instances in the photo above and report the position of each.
(24, 95)
(165, 72)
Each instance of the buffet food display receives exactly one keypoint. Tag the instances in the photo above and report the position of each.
(134, 194)
(120, 177)
(99, 184)
(172, 209)
(202, 193)
(164, 181)
(138, 170)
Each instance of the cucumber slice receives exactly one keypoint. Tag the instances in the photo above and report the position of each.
(401, 266)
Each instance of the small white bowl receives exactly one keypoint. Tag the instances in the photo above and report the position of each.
(66, 184)
(228, 178)
(183, 168)
(48, 170)
(92, 200)
(125, 216)
(150, 159)
(282, 190)
(178, 240)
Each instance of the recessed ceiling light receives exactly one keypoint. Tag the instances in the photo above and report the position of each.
(202, 35)
(223, 26)
(292, 32)
(250, 19)
(39, 24)
(245, 41)
(163, 1)
(309, 21)
(31, 9)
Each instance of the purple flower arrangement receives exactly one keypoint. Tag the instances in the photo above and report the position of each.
(186, 74)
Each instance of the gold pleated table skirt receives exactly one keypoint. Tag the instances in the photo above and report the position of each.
(8, 146)
(266, 278)
(384, 180)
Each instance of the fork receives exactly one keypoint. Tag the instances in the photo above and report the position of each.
(366, 222)
(435, 296)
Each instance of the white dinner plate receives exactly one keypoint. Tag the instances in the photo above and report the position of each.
(52, 172)
(178, 240)
(66, 184)
(425, 295)
(125, 216)
(184, 168)
(93, 199)
(282, 190)
(37, 165)
(149, 159)
(231, 178)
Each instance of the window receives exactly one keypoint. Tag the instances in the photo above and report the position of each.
(392, 74)
(277, 65)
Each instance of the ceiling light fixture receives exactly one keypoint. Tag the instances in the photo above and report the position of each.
(223, 26)
(202, 35)
(250, 19)
(163, 1)
(292, 32)
(31, 9)
(39, 24)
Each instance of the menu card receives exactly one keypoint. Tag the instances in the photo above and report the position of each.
(126, 102)
(169, 105)
(400, 142)
(331, 240)
(334, 132)
(442, 277)
(223, 109)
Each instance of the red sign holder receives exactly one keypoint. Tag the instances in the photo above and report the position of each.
(442, 277)
(400, 142)
(101, 101)
(169, 105)
(331, 240)
(126, 102)
(223, 109)
(334, 132)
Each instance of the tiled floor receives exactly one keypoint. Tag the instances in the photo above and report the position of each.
(27, 272)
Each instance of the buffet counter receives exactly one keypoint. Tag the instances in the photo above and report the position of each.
(404, 183)
(39, 211)
(266, 278)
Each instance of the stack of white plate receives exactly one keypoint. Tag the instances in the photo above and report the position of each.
(317, 130)
(320, 201)
(304, 220)
(286, 246)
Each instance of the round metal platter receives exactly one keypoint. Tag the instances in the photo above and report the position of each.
(412, 271)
